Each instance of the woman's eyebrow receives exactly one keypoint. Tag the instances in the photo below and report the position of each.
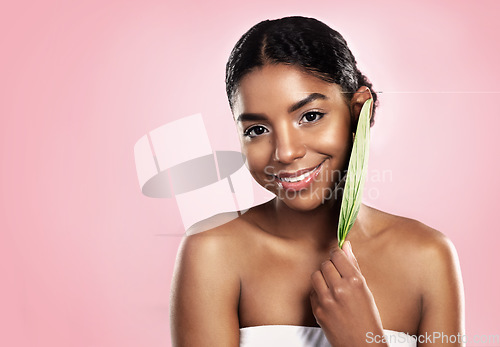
(305, 101)
(251, 117)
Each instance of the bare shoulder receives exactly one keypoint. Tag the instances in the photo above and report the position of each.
(212, 247)
(206, 284)
(217, 238)
(423, 250)
(423, 263)
(409, 234)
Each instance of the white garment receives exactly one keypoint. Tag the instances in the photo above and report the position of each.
(299, 336)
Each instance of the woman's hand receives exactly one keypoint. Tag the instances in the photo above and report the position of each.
(342, 302)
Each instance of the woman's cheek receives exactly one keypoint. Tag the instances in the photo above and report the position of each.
(257, 159)
(334, 141)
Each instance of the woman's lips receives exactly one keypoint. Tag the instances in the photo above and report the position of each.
(298, 180)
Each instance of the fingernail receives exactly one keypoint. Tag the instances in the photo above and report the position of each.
(346, 246)
(349, 250)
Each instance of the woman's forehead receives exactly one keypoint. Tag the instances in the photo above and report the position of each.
(281, 85)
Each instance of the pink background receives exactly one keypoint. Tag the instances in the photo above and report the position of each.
(84, 261)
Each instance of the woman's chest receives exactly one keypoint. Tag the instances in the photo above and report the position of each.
(277, 292)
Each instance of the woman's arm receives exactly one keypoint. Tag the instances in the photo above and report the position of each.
(442, 321)
(205, 294)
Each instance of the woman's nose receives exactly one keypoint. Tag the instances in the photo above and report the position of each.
(289, 146)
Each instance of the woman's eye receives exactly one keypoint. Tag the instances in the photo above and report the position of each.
(255, 131)
(311, 117)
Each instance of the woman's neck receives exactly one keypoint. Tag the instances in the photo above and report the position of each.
(317, 227)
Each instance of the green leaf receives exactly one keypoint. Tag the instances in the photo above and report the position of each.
(356, 173)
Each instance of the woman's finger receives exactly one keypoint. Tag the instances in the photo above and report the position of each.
(330, 274)
(347, 248)
(344, 266)
(319, 284)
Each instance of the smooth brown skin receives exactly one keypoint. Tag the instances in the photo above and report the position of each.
(279, 263)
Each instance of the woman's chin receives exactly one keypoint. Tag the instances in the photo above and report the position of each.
(303, 201)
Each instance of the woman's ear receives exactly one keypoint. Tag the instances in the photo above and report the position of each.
(358, 100)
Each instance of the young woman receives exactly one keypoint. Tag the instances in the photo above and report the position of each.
(275, 275)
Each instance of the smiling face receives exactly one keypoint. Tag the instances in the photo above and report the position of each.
(294, 130)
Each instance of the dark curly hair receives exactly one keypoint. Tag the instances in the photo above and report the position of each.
(300, 41)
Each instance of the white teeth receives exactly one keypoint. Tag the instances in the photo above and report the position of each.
(297, 178)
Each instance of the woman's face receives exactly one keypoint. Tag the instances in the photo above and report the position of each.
(295, 133)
